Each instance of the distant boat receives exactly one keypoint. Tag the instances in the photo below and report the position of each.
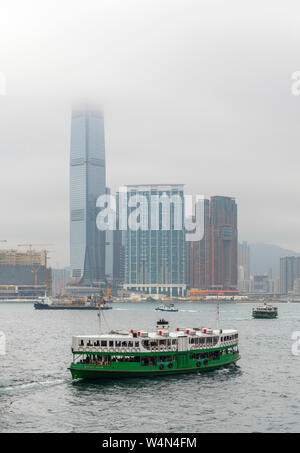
(46, 303)
(164, 307)
(265, 312)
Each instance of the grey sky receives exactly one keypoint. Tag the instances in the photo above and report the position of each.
(195, 92)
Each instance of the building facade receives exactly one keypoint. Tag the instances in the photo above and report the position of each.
(223, 243)
(244, 259)
(24, 275)
(155, 251)
(197, 255)
(87, 183)
(289, 272)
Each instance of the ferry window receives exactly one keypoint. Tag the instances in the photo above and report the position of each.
(111, 344)
(137, 344)
(118, 344)
(162, 342)
(192, 341)
(201, 340)
(130, 344)
(145, 343)
(214, 355)
(173, 342)
(124, 344)
(148, 361)
(81, 343)
(89, 343)
(165, 358)
(103, 343)
(96, 343)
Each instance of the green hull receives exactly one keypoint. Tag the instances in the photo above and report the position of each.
(92, 372)
(265, 315)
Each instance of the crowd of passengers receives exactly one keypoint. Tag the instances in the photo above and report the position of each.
(96, 359)
(102, 360)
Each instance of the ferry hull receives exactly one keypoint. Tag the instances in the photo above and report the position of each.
(39, 306)
(92, 373)
(265, 315)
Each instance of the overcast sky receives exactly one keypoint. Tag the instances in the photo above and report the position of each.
(195, 92)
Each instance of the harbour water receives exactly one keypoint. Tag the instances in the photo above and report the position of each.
(37, 393)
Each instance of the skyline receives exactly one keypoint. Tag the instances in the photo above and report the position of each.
(219, 118)
(60, 258)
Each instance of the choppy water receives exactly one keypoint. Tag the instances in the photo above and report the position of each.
(38, 395)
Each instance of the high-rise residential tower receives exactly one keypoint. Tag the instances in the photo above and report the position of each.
(244, 260)
(289, 272)
(155, 253)
(87, 183)
(197, 255)
(223, 243)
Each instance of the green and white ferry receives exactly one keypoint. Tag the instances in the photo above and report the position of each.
(265, 311)
(138, 353)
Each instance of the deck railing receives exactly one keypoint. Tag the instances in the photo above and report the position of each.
(172, 348)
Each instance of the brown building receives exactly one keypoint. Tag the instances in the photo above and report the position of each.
(197, 256)
(223, 243)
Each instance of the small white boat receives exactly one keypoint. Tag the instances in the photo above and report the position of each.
(164, 307)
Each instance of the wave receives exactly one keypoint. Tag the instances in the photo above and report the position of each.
(32, 385)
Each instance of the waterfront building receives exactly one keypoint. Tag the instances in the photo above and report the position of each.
(155, 252)
(118, 249)
(289, 272)
(197, 255)
(24, 274)
(260, 284)
(87, 183)
(244, 260)
(223, 243)
(60, 279)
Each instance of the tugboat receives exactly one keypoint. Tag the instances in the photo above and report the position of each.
(265, 312)
(138, 353)
(164, 307)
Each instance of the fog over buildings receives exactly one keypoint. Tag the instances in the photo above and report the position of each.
(193, 91)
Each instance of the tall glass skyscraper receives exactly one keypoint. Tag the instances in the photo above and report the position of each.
(87, 183)
(155, 257)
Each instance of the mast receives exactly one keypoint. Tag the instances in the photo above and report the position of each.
(218, 315)
(99, 315)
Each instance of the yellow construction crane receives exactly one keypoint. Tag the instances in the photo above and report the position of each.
(34, 245)
(35, 272)
(37, 245)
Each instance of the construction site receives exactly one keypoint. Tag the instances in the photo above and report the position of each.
(24, 275)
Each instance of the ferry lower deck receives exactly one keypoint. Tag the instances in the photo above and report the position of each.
(99, 366)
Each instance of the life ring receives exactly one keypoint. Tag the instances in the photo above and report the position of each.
(170, 365)
(161, 366)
